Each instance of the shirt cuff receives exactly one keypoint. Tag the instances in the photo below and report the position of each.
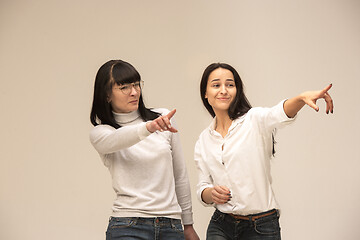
(201, 189)
(142, 131)
(187, 218)
(281, 112)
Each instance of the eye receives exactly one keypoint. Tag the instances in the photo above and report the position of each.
(230, 85)
(215, 85)
(125, 87)
(137, 84)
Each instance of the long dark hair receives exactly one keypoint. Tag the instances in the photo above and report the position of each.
(111, 73)
(240, 105)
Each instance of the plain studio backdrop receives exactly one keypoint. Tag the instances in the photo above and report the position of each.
(53, 184)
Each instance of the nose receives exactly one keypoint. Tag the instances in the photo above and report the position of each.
(223, 89)
(133, 90)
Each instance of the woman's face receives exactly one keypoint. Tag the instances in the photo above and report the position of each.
(124, 98)
(220, 89)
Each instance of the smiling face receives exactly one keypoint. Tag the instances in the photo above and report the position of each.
(220, 90)
(124, 103)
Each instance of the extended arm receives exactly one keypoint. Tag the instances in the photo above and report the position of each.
(107, 139)
(292, 106)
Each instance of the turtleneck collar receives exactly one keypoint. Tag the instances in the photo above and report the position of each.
(126, 118)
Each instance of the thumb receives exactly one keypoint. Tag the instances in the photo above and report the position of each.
(313, 105)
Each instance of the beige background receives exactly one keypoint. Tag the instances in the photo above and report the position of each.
(52, 182)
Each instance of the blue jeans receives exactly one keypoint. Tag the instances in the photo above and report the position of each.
(225, 227)
(130, 228)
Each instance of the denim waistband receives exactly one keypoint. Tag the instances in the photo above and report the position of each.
(161, 221)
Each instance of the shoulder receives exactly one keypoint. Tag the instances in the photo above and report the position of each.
(206, 133)
(99, 129)
(257, 111)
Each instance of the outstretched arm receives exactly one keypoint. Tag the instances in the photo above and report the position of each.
(292, 106)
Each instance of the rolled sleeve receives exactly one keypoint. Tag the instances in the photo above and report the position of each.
(274, 117)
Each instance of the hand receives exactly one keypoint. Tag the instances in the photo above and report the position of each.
(162, 123)
(311, 97)
(190, 233)
(220, 194)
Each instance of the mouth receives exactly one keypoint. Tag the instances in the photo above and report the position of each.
(133, 101)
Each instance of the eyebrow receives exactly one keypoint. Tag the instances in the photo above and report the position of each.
(216, 79)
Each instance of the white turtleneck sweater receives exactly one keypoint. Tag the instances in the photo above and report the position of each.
(148, 170)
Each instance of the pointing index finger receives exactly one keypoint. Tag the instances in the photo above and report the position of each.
(327, 88)
(171, 114)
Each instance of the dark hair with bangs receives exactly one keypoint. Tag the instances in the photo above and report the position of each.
(111, 73)
(240, 105)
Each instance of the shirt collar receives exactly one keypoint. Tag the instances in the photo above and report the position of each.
(125, 118)
(234, 123)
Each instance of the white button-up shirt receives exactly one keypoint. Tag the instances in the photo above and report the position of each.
(241, 160)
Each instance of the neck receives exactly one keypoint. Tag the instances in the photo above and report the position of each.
(223, 122)
(126, 118)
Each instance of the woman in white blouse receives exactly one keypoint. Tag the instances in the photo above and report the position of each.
(233, 155)
(143, 153)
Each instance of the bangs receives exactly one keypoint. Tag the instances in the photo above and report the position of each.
(122, 73)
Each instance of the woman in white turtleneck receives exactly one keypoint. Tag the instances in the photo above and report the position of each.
(143, 153)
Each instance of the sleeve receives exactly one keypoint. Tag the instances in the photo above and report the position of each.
(107, 139)
(274, 117)
(182, 184)
(205, 179)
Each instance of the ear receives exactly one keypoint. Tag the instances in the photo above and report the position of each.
(206, 95)
(108, 99)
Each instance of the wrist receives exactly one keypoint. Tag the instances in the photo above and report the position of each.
(148, 127)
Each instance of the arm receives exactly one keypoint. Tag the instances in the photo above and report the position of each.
(107, 139)
(190, 233)
(182, 184)
(182, 188)
(293, 105)
(207, 193)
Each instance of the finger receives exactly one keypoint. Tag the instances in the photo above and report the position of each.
(225, 189)
(329, 103)
(166, 124)
(171, 114)
(173, 130)
(312, 104)
(220, 195)
(156, 126)
(218, 200)
(222, 192)
(161, 123)
(327, 88)
(167, 121)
